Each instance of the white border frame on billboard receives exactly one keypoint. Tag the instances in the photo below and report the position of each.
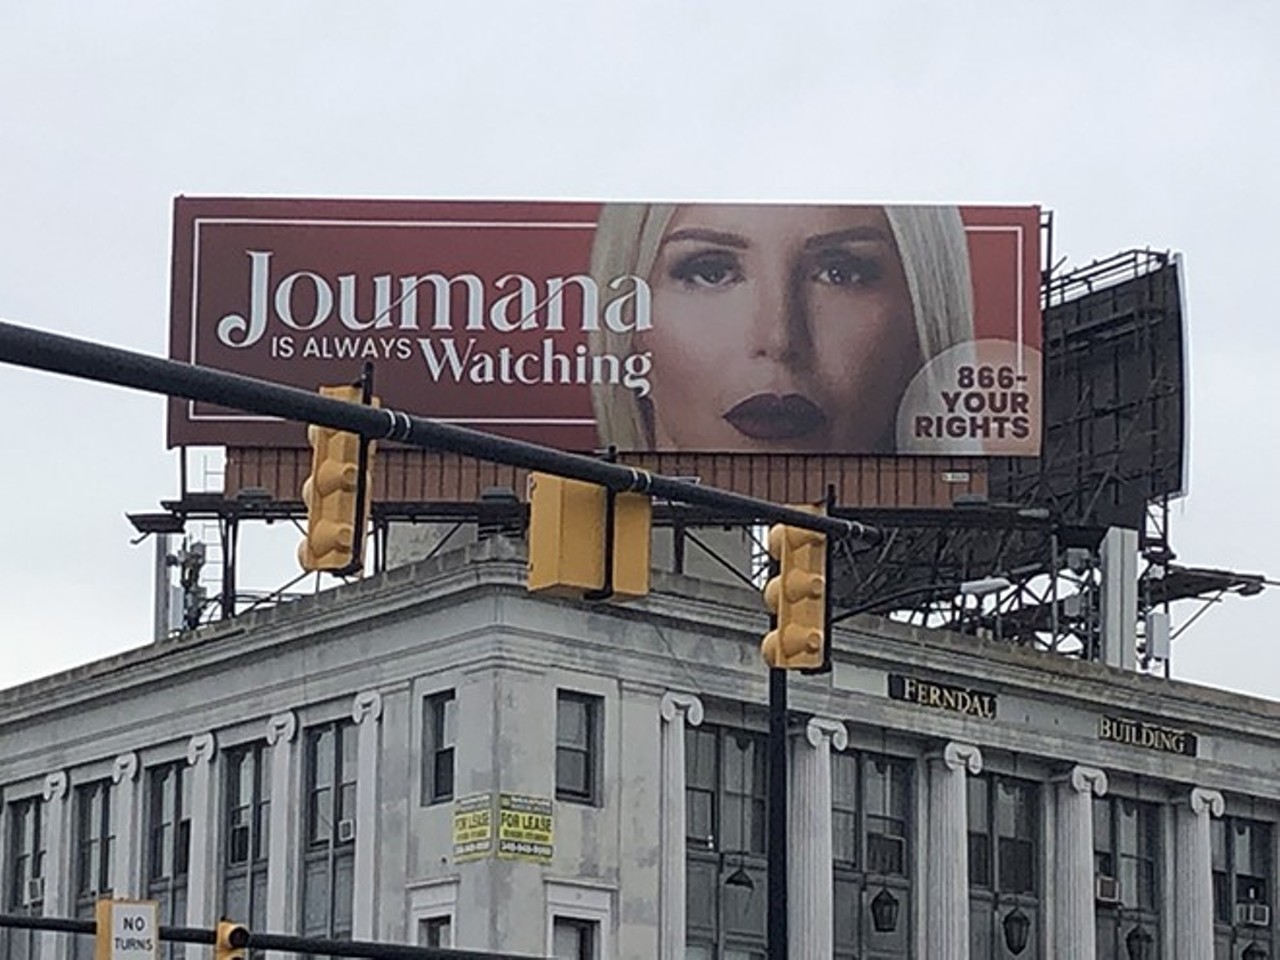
(197, 222)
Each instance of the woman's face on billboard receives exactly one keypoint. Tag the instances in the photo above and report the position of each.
(779, 328)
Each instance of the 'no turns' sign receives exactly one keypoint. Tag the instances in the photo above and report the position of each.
(127, 930)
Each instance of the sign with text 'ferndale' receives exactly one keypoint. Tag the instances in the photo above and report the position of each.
(691, 328)
(941, 696)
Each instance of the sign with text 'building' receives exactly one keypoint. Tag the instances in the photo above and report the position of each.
(1148, 735)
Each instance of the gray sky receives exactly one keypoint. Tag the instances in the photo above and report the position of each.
(1139, 124)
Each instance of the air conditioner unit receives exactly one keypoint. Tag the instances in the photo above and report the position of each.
(34, 891)
(1253, 914)
(1106, 889)
(346, 831)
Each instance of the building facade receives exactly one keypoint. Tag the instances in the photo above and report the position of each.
(436, 756)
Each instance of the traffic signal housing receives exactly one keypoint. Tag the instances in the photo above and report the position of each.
(797, 596)
(577, 550)
(232, 941)
(337, 514)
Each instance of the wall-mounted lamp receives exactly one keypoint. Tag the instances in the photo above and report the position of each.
(1139, 943)
(884, 912)
(1017, 930)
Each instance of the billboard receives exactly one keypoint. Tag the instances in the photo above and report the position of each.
(670, 328)
(1116, 334)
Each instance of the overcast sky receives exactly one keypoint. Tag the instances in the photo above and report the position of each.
(1139, 124)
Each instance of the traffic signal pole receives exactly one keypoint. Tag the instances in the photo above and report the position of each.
(39, 350)
(241, 938)
(800, 608)
(777, 931)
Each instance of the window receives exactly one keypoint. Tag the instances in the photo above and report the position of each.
(577, 747)
(439, 732)
(1002, 834)
(725, 790)
(92, 846)
(743, 787)
(844, 809)
(1126, 843)
(979, 812)
(885, 799)
(578, 918)
(574, 939)
(1126, 857)
(1004, 824)
(25, 873)
(871, 810)
(1242, 872)
(725, 793)
(435, 932)
(433, 910)
(701, 785)
(329, 762)
(869, 825)
(168, 838)
(246, 819)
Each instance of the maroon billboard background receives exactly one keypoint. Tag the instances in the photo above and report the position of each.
(303, 292)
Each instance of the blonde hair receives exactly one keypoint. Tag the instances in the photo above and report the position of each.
(931, 245)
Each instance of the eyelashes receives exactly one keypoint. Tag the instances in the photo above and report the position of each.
(837, 267)
(707, 269)
(719, 269)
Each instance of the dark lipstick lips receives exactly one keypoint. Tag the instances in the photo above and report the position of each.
(767, 416)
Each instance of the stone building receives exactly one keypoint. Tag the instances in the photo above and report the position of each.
(434, 755)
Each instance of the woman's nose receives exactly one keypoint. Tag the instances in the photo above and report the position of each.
(778, 327)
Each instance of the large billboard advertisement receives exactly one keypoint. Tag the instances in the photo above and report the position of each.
(698, 327)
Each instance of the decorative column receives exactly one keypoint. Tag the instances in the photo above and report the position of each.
(676, 710)
(1193, 877)
(202, 881)
(366, 711)
(281, 729)
(56, 903)
(124, 827)
(947, 890)
(1074, 920)
(810, 908)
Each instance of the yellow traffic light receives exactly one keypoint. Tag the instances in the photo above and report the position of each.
(232, 941)
(798, 598)
(330, 494)
(567, 533)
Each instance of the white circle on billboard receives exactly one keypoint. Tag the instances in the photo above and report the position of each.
(980, 398)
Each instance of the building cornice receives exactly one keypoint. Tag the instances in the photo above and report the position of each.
(684, 626)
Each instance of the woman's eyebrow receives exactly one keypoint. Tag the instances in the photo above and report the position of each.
(708, 236)
(853, 234)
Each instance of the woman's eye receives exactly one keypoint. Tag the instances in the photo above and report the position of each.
(713, 269)
(838, 268)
